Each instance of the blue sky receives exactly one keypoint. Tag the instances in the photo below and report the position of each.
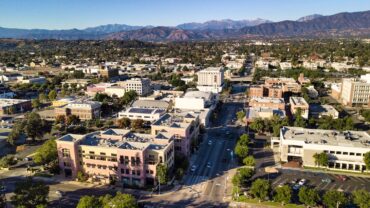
(63, 14)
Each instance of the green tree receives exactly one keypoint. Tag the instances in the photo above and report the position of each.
(162, 174)
(124, 122)
(309, 197)
(89, 202)
(122, 201)
(321, 159)
(72, 119)
(137, 124)
(257, 125)
(46, 153)
(33, 125)
(244, 139)
(361, 198)
(42, 97)
(242, 176)
(7, 161)
(334, 199)
(30, 194)
(16, 133)
(240, 115)
(52, 95)
(260, 189)
(367, 160)
(241, 150)
(283, 194)
(249, 161)
(35, 103)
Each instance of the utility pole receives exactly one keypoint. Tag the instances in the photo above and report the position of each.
(159, 185)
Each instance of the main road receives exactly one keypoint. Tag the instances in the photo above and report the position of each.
(208, 184)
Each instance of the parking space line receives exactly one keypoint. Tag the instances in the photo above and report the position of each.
(277, 181)
(340, 187)
(332, 186)
(363, 180)
(347, 189)
(355, 179)
(326, 185)
(318, 185)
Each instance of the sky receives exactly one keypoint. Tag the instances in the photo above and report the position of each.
(66, 14)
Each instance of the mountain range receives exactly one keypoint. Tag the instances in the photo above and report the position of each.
(338, 25)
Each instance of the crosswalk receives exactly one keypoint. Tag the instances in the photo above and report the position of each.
(195, 179)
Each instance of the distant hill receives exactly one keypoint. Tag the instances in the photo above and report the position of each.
(356, 24)
(309, 17)
(221, 24)
(342, 24)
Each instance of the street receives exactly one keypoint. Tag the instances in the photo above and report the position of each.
(209, 183)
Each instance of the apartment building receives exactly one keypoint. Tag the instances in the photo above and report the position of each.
(140, 85)
(274, 91)
(299, 103)
(211, 79)
(319, 111)
(12, 106)
(184, 125)
(287, 84)
(355, 91)
(255, 91)
(118, 155)
(146, 114)
(85, 110)
(345, 149)
(267, 102)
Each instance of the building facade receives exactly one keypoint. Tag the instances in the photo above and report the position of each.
(355, 91)
(140, 86)
(211, 79)
(344, 149)
(299, 103)
(115, 155)
(85, 110)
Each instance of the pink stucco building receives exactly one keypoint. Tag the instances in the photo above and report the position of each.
(116, 155)
(184, 126)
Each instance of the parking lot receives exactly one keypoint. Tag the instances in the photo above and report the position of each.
(320, 180)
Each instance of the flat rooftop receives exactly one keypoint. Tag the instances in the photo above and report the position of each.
(267, 100)
(9, 102)
(298, 101)
(359, 139)
(177, 120)
(127, 140)
(144, 110)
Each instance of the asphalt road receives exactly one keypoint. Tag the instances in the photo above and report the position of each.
(209, 183)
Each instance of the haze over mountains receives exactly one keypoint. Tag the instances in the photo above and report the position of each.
(338, 25)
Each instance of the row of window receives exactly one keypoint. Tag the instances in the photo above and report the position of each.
(343, 153)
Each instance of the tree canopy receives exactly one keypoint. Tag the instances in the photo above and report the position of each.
(30, 194)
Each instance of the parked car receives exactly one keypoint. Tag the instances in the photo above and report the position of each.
(341, 177)
(210, 142)
(293, 182)
(302, 182)
(326, 180)
(193, 168)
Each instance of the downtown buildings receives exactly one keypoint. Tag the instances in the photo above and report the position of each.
(345, 149)
(211, 79)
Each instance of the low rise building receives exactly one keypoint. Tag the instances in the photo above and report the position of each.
(146, 114)
(255, 91)
(12, 106)
(116, 155)
(345, 149)
(140, 86)
(319, 111)
(85, 110)
(78, 83)
(355, 91)
(263, 112)
(299, 103)
(267, 102)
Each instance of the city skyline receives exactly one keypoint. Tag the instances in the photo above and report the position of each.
(82, 14)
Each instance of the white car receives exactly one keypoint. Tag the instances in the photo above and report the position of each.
(193, 168)
(210, 142)
(209, 165)
(302, 182)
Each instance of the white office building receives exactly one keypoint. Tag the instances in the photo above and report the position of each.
(211, 79)
(140, 86)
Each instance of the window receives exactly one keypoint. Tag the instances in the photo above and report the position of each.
(102, 153)
(345, 153)
(66, 153)
(332, 152)
(358, 154)
(127, 171)
(338, 153)
(138, 172)
(351, 153)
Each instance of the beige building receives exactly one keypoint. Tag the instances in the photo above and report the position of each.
(140, 86)
(267, 102)
(355, 91)
(345, 149)
(85, 110)
(299, 103)
(211, 79)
